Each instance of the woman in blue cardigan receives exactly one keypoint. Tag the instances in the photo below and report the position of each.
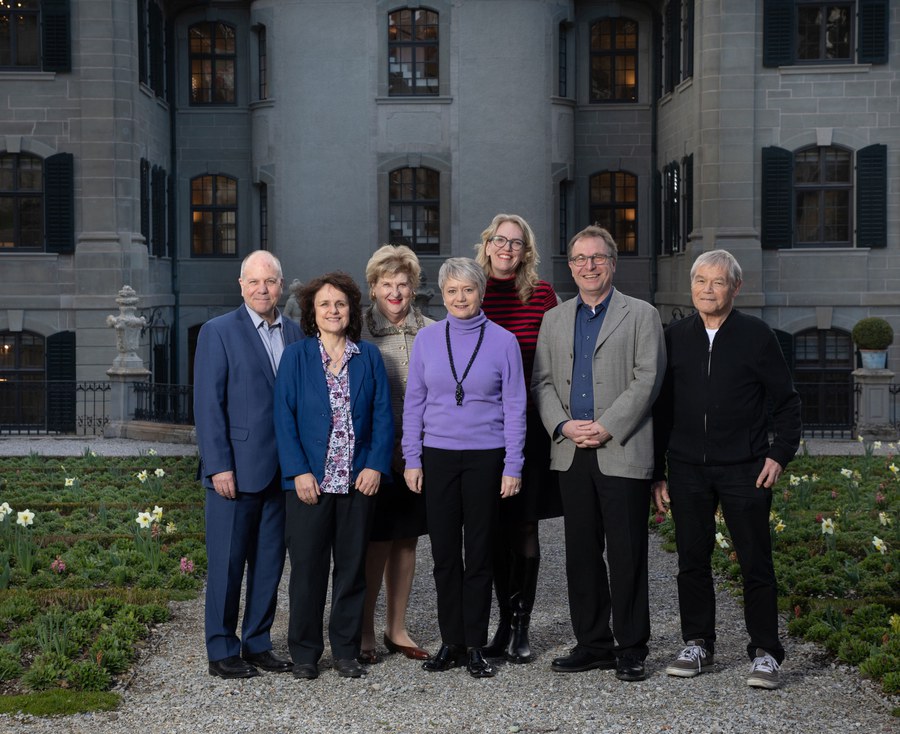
(335, 434)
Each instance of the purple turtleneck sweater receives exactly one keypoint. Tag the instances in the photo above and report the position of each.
(492, 415)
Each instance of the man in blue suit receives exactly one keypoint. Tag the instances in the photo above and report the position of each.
(234, 378)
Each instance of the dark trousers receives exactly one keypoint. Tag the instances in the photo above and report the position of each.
(462, 492)
(337, 526)
(695, 491)
(604, 512)
(247, 531)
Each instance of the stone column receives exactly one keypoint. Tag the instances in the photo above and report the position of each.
(873, 420)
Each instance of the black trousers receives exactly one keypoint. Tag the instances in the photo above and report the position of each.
(462, 492)
(606, 513)
(337, 526)
(695, 492)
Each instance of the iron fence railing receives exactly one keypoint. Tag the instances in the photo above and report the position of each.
(53, 407)
(162, 403)
(829, 408)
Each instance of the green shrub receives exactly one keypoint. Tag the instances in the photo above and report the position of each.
(45, 672)
(88, 676)
(9, 664)
(854, 651)
(891, 683)
(879, 665)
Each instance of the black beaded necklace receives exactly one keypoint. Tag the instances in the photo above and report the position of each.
(460, 393)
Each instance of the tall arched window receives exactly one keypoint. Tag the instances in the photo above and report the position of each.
(413, 64)
(415, 209)
(613, 206)
(614, 49)
(213, 216)
(823, 361)
(212, 57)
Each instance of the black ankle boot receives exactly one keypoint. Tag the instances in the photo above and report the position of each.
(478, 667)
(519, 649)
(500, 640)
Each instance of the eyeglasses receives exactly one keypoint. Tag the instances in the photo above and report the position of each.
(500, 242)
(579, 261)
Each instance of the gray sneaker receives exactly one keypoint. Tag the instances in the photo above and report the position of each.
(763, 671)
(693, 659)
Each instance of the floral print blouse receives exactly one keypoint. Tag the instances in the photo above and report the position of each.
(339, 457)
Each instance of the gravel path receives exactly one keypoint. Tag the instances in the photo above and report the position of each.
(171, 691)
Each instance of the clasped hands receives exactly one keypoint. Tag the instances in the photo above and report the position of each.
(308, 490)
(509, 486)
(585, 434)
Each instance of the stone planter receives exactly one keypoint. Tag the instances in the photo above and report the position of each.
(873, 359)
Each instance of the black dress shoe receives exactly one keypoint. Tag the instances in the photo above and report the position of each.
(630, 669)
(477, 666)
(268, 660)
(232, 667)
(306, 671)
(580, 660)
(449, 656)
(349, 668)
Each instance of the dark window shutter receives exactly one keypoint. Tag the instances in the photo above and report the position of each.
(145, 200)
(872, 42)
(657, 220)
(777, 198)
(157, 50)
(59, 202)
(56, 36)
(143, 74)
(673, 44)
(778, 32)
(61, 382)
(871, 196)
(159, 212)
(170, 214)
(688, 195)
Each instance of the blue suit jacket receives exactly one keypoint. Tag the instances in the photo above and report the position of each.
(233, 399)
(303, 412)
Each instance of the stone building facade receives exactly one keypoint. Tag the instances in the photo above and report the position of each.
(154, 143)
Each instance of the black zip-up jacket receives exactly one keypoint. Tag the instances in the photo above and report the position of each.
(712, 407)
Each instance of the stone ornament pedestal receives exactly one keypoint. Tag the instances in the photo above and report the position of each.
(873, 421)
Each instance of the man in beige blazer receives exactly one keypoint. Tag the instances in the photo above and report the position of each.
(598, 368)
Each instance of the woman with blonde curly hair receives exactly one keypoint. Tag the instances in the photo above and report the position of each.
(391, 324)
(516, 299)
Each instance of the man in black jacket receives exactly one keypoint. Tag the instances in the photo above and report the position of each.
(712, 425)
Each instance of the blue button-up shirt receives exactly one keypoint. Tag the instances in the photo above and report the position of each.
(588, 322)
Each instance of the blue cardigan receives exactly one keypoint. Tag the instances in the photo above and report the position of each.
(303, 412)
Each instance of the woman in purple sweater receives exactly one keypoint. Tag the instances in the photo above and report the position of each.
(463, 432)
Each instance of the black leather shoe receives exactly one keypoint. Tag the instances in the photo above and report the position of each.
(449, 656)
(477, 666)
(232, 667)
(580, 660)
(349, 668)
(630, 669)
(306, 671)
(268, 660)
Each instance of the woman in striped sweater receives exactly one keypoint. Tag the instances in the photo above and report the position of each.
(517, 299)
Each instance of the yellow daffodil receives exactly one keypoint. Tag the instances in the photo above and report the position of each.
(895, 624)
(879, 544)
(70, 481)
(144, 519)
(170, 528)
(827, 526)
(779, 528)
(894, 469)
(722, 540)
(159, 473)
(25, 517)
(157, 513)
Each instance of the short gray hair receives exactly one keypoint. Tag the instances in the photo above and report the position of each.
(262, 255)
(719, 258)
(464, 269)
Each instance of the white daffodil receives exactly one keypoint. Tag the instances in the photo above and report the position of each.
(151, 452)
(5, 510)
(144, 519)
(157, 513)
(827, 526)
(794, 481)
(884, 519)
(170, 528)
(142, 476)
(159, 473)
(721, 540)
(877, 444)
(25, 517)
(879, 544)
(70, 481)
(847, 473)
